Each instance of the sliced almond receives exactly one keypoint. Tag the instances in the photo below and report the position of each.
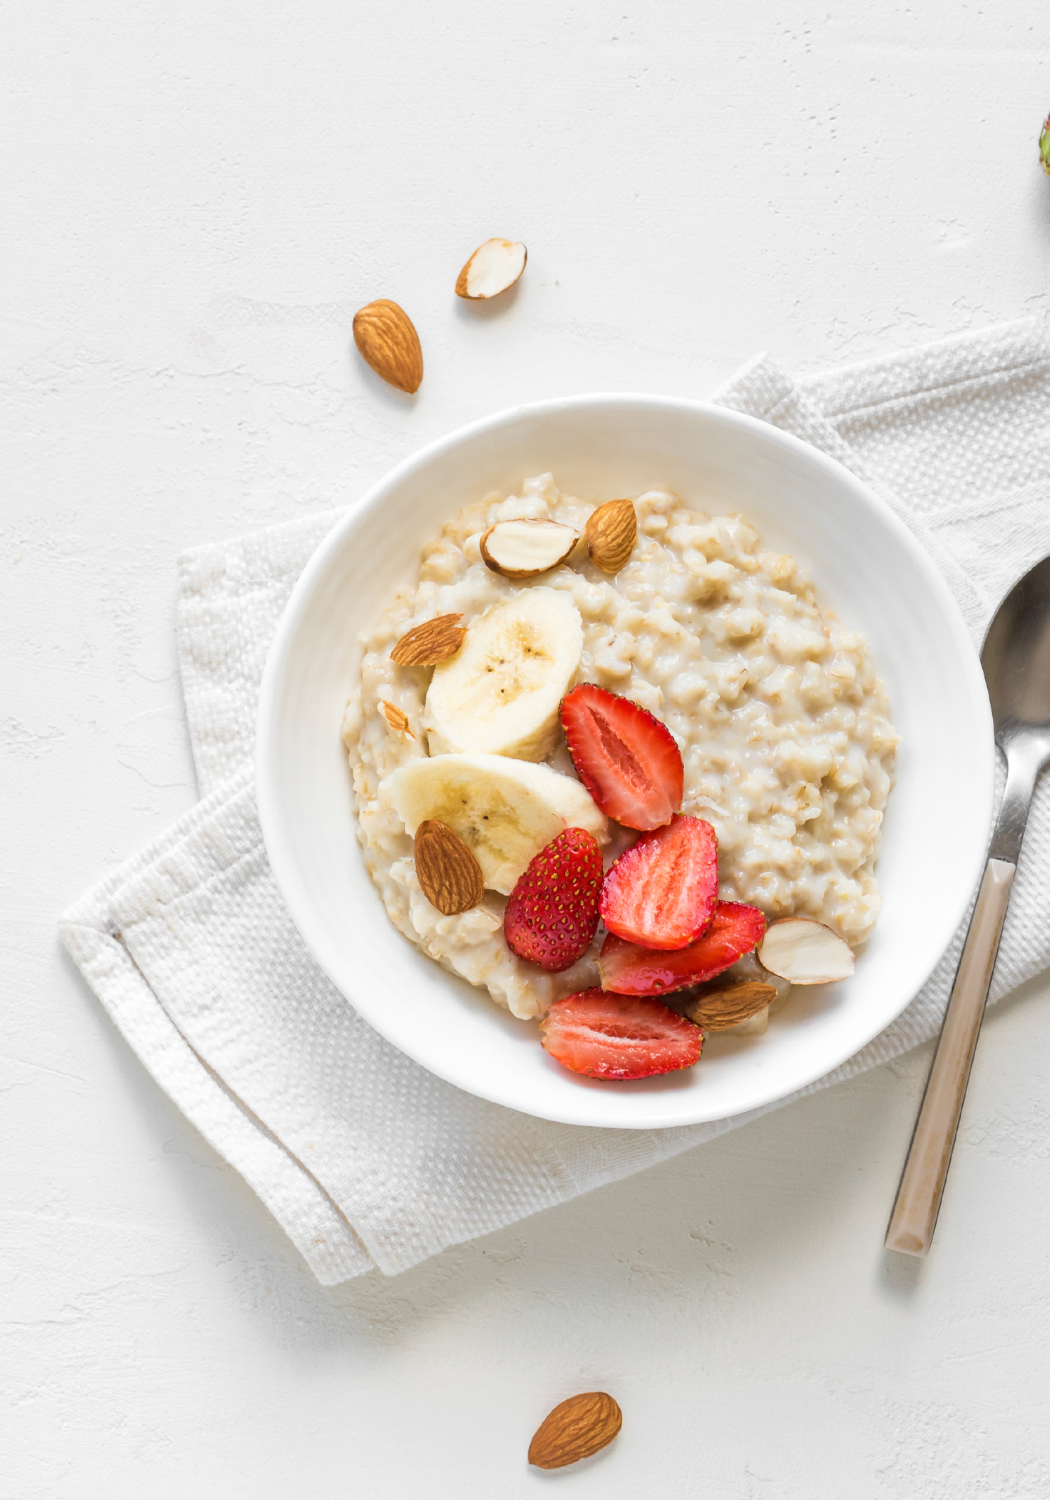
(427, 644)
(492, 268)
(385, 335)
(396, 718)
(575, 1429)
(449, 875)
(524, 549)
(805, 952)
(612, 531)
(715, 1006)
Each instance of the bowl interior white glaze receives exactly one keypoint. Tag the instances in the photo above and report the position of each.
(867, 567)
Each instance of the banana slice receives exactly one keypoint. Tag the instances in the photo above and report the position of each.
(500, 694)
(504, 810)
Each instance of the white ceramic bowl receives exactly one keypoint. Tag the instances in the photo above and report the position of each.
(867, 567)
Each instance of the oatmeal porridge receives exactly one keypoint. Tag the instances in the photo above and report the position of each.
(786, 748)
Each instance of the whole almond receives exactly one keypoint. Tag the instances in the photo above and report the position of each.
(396, 718)
(612, 531)
(575, 1429)
(449, 875)
(384, 334)
(432, 642)
(719, 1006)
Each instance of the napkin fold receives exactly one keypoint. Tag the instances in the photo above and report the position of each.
(363, 1157)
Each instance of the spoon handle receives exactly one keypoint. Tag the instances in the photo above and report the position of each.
(918, 1202)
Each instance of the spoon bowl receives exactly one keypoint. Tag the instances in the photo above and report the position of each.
(1016, 662)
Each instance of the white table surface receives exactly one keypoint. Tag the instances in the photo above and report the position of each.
(195, 199)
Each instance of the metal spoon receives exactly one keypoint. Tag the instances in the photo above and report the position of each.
(1016, 662)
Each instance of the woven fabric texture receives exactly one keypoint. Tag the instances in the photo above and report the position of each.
(363, 1157)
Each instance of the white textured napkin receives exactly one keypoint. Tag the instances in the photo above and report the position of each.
(363, 1157)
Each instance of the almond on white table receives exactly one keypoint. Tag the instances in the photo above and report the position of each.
(387, 340)
(575, 1429)
(494, 266)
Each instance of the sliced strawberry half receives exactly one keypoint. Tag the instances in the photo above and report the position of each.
(628, 969)
(552, 914)
(619, 1036)
(662, 892)
(627, 759)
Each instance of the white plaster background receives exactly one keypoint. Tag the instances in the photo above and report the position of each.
(195, 198)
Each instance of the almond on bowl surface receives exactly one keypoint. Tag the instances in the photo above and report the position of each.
(396, 718)
(525, 549)
(430, 643)
(449, 875)
(494, 266)
(718, 1006)
(805, 952)
(612, 531)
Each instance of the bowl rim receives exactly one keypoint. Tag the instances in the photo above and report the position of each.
(277, 842)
